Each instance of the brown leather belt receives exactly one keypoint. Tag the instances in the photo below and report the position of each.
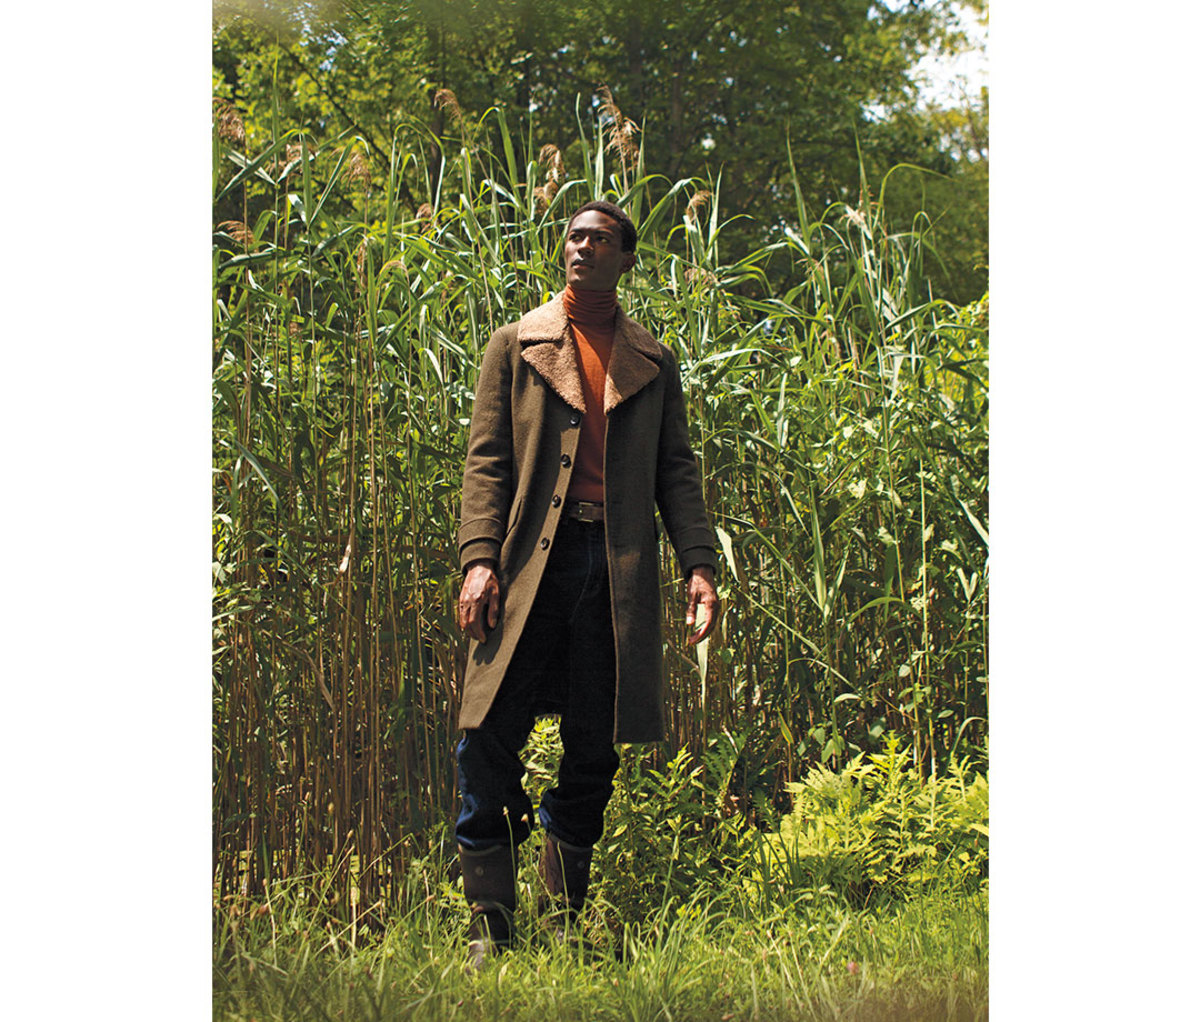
(585, 510)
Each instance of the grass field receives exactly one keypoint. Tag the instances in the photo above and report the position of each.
(816, 958)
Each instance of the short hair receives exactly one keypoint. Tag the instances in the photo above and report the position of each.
(609, 209)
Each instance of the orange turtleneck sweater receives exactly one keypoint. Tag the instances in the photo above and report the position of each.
(592, 316)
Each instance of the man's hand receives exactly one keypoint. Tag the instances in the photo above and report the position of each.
(703, 592)
(479, 600)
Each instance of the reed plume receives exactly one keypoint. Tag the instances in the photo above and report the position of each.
(696, 203)
(445, 100)
(239, 232)
(621, 130)
(229, 121)
(550, 158)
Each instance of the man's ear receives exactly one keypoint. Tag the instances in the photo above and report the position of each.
(627, 261)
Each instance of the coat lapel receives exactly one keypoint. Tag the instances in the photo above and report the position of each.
(547, 346)
(633, 364)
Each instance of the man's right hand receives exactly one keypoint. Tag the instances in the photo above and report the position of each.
(479, 600)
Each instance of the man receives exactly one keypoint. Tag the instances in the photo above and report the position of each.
(579, 430)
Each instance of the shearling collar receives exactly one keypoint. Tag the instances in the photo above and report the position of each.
(547, 345)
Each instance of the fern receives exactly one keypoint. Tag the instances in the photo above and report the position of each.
(877, 828)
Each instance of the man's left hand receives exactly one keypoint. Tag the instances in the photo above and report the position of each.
(702, 591)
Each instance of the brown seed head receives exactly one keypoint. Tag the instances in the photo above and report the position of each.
(625, 143)
(620, 130)
(444, 99)
(551, 158)
(544, 195)
(424, 217)
(696, 203)
(290, 155)
(608, 105)
(239, 232)
(229, 123)
(357, 169)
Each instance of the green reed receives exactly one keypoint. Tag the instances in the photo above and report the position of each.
(841, 426)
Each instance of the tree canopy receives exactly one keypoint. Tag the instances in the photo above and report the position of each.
(722, 89)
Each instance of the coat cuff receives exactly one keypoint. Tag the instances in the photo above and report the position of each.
(477, 549)
(480, 528)
(695, 556)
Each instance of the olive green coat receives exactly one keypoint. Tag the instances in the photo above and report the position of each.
(524, 433)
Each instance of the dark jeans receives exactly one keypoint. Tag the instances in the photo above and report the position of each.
(565, 662)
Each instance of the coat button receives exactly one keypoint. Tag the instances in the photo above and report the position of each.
(575, 419)
(555, 500)
(566, 460)
(545, 544)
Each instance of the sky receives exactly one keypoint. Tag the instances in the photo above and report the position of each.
(947, 79)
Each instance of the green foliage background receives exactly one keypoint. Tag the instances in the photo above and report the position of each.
(837, 399)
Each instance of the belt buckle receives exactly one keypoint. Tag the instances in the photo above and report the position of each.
(589, 511)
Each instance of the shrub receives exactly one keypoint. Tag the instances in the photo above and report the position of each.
(877, 828)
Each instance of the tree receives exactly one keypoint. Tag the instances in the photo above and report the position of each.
(716, 88)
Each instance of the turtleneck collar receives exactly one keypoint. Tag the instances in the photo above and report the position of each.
(590, 308)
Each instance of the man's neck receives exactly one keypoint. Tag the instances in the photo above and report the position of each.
(590, 308)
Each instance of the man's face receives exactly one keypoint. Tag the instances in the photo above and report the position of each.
(592, 253)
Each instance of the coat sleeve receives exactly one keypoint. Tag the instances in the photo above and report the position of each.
(488, 474)
(677, 488)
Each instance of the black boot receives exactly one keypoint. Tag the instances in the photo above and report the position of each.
(565, 870)
(490, 884)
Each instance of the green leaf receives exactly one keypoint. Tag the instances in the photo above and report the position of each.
(785, 730)
(727, 549)
(251, 168)
(975, 523)
(253, 462)
(819, 563)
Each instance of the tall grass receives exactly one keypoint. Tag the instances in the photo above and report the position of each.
(740, 925)
(813, 960)
(841, 426)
